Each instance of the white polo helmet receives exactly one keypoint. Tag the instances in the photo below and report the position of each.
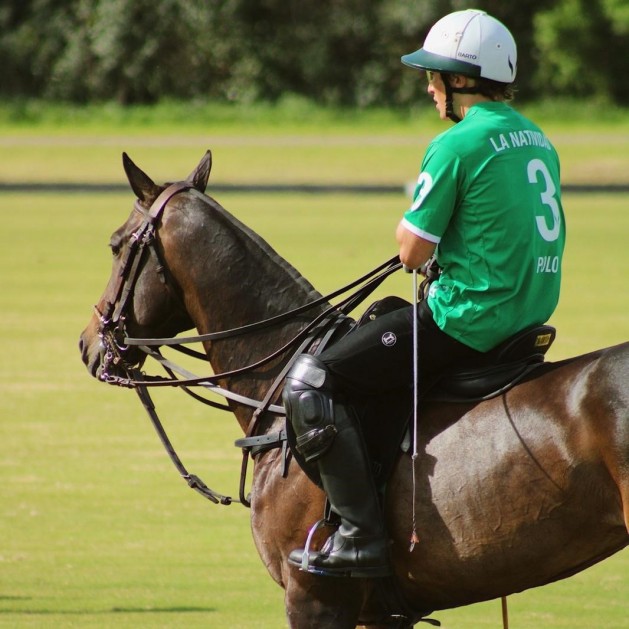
(471, 43)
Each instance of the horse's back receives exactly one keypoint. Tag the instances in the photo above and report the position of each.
(614, 376)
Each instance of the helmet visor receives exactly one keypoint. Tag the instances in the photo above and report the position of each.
(424, 60)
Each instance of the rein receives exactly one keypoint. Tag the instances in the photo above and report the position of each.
(386, 268)
(312, 338)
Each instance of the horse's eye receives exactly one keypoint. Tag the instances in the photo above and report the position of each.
(115, 243)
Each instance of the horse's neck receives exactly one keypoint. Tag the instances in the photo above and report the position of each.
(237, 281)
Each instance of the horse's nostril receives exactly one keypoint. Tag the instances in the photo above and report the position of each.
(84, 348)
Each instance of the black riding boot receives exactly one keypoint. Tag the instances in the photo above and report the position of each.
(328, 434)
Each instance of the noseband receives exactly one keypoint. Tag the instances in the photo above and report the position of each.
(111, 330)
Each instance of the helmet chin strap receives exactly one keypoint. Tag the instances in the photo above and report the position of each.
(450, 91)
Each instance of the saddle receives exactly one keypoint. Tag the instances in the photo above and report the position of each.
(508, 364)
(501, 368)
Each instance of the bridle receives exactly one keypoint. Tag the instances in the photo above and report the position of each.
(115, 343)
(111, 329)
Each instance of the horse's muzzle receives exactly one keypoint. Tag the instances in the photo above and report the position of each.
(92, 352)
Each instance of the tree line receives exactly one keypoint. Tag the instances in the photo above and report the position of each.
(334, 52)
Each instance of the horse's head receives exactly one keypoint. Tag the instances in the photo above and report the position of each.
(142, 298)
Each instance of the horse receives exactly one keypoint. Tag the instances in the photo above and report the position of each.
(513, 492)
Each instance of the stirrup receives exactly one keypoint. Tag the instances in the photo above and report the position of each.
(305, 557)
(349, 571)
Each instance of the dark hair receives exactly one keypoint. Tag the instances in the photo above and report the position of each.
(495, 90)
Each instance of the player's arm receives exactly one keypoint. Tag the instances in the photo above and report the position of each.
(414, 250)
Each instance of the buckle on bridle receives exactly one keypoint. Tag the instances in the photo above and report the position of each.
(112, 348)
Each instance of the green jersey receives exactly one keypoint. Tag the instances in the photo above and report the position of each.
(488, 195)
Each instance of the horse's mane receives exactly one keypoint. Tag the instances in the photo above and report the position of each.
(211, 205)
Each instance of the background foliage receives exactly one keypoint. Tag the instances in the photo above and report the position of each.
(340, 52)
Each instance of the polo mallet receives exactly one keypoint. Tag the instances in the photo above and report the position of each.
(414, 536)
(415, 302)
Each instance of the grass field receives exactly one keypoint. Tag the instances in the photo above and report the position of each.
(97, 529)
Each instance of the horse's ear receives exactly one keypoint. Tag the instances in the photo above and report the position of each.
(143, 186)
(199, 176)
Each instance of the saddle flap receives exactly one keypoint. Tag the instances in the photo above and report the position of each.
(480, 384)
(506, 365)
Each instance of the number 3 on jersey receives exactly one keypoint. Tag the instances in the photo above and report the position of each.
(535, 167)
(424, 186)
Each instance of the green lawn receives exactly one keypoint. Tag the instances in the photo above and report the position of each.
(97, 529)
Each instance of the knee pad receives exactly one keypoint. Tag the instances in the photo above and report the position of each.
(309, 406)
